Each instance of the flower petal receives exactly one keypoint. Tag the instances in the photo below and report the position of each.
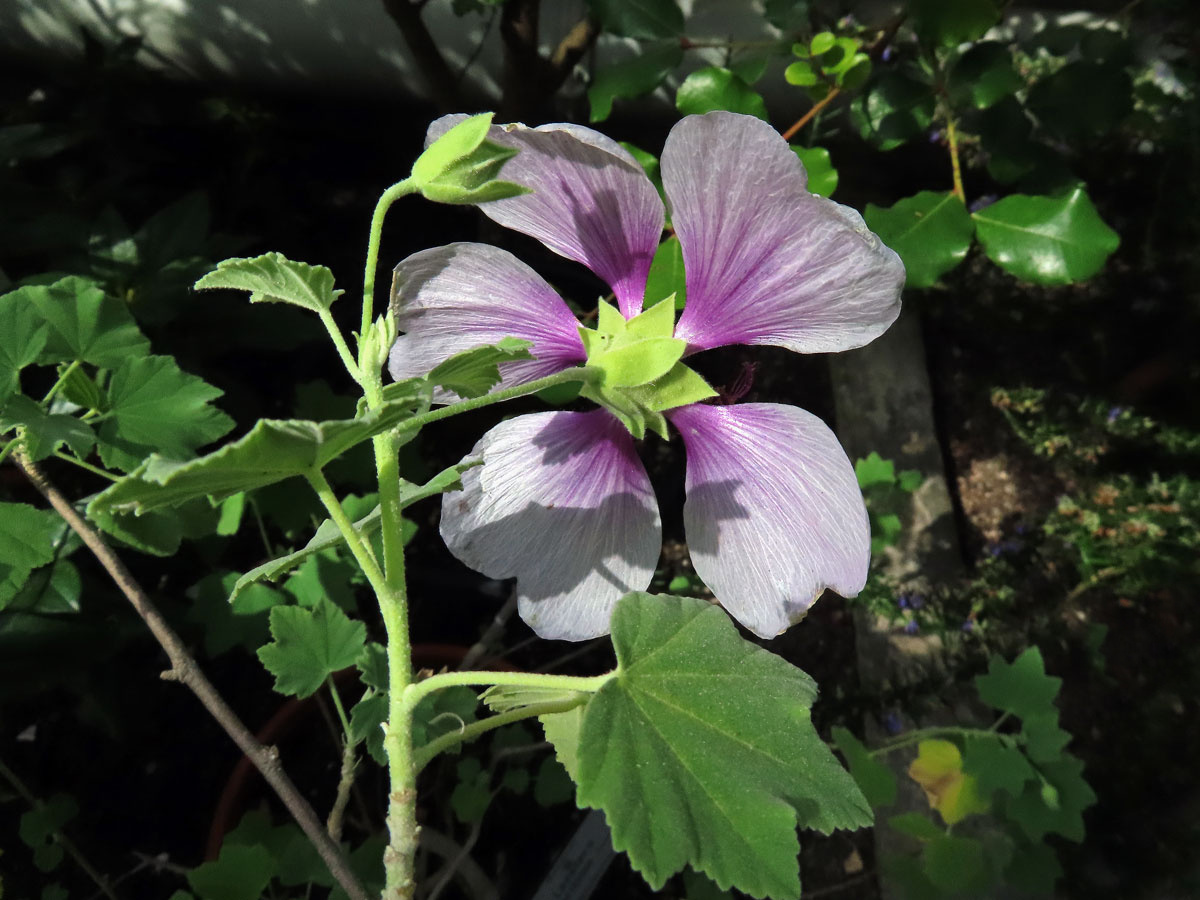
(591, 201)
(766, 261)
(773, 514)
(562, 503)
(449, 299)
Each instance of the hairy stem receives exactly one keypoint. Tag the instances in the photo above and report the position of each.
(583, 684)
(390, 196)
(339, 342)
(185, 670)
(470, 732)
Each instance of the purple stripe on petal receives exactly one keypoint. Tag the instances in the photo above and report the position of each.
(449, 299)
(766, 261)
(563, 504)
(591, 201)
(773, 513)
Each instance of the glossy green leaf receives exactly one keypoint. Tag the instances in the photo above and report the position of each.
(84, 323)
(649, 163)
(896, 110)
(154, 406)
(23, 334)
(873, 778)
(310, 645)
(822, 176)
(647, 19)
(704, 741)
(45, 432)
(996, 766)
(273, 278)
(947, 23)
(984, 74)
(932, 232)
(1046, 240)
(472, 373)
(801, 74)
(271, 451)
(1021, 687)
(241, 872)
(667, 276)
(715, 88)
(632, 77)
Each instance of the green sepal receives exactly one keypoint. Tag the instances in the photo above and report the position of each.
(609, 320)
(639, 362)
(462, 166)
(681, 386)
(658, 321)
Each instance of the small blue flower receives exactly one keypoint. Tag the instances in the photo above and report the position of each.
(983, 202)
(911, 627)
(902, 601)
(968, 625)
(1115, 413)
(893, 723)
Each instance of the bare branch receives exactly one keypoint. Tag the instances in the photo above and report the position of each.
(439, 77)
(185, 670)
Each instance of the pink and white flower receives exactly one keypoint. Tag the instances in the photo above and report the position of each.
(562, 503)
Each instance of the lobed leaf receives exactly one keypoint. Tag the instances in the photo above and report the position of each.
(701, 751)
(84, 323)
(1021, 687)
(273, 278)
(23, 334)
(27, 537)
(310, 645)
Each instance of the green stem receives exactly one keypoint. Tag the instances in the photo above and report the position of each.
(339, 342)
(9, 448)
(62, 379)
(940, 731)
(337, 705)
(95, 470)
(414, 693)
(358, 547)
(67, 844)
(390, 196)
(475, 729)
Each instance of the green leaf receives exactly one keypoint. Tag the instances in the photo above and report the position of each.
(873, 778)
(649, 164)
(1044, 739)
(153, 405)
(23, 334)
(984, 75)
(49, 590)
(442, 712)
(240, 873)
(956, 864)
(1021, 687)
(27, 536)
(909, 480)
(715, 88)
(309, 646)
(1082, 100)
(947, 23)
(801, 74)
(84, 323)
(552, 785)
(1073, 796)
(873, 470)
(45, 432)
(932, 231)
(703, 741)
(39, 826)
(646, 19)
(632, 77)
(666, 276)
(273, 278)
(916, 825)
(1034, 868)
(822, 176)
(1046, 240)
(472, 373)
(323, 576)
(472, 795)
(271, 451)
(896, 110)
(372, 664)
(158, 532)
(996, 766)
(231, 623)
(366, 724)
(563, 731)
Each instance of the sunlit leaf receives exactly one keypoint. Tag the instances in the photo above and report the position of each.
(1046, 240)
(931, 231)
(822, 176)
(273, 278)
(45, 432)
(26, 542)
(938, 769)
(715, 88)
(472, 373)
(310, 645)
(84, 323)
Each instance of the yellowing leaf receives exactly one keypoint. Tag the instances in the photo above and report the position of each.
(938, 769)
